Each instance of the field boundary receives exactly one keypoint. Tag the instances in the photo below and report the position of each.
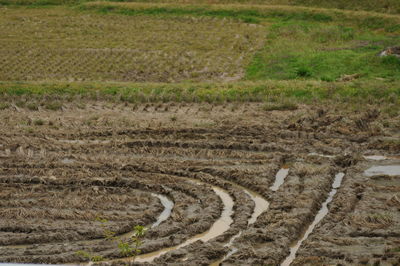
(271, 90)
(251, 13)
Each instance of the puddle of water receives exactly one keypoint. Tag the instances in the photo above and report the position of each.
(375, 157)
(280, 178)
(320, 155)
(67, 161)
(260, 205)
(381, 157)
(218, 228)
(320, 215)
(230, 243)
(79, 141)
(168, 205)
(383, 170)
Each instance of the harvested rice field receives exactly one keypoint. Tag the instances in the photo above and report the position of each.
(59, 44)
(200, 132)
(230, 184)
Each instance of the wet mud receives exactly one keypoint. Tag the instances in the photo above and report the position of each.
(221, 184)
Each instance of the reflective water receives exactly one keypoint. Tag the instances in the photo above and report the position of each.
(260, 205)
(218, 228)
(320, 215)
(168, 205)
(375, 157)
(280, 178)
(383, 170)
(321, 155)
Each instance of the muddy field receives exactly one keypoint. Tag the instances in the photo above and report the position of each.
(229, 183)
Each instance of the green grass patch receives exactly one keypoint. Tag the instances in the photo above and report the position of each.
(250, 13)
(38, 3)
(291, 43)
(245, 14)
(384, 6)
(266, 91)
(323, 52)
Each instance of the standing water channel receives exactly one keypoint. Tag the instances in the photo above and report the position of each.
(220, 226)
(280, 178)
(260, 205)
(320, 215)
(168, 205)
(390, 170)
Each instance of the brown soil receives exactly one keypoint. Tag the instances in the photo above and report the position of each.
(59, 174)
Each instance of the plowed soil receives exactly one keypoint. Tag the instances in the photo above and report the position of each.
(60, 170)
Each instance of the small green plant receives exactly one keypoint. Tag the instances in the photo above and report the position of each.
(303, 72)
(132, 246)
(173, 118)
(89, 256)
(391, 60)
(127, 248)
(108, 234)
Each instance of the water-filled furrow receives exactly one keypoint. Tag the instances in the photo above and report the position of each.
(320, 215)
(381, 157)
(168, 205)
(219, 227)
(390, 170)
(280, 178)
(260, 205)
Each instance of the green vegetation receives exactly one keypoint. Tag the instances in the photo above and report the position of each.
(301, 91)
(246, 14)
(131, 248)
(89, 256)
(326, 52)
(384, 6)
(159, 52)
(250, 13)
(127, 248)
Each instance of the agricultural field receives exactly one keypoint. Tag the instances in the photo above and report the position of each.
(217, 164)
(53, 45)
(199, 133)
